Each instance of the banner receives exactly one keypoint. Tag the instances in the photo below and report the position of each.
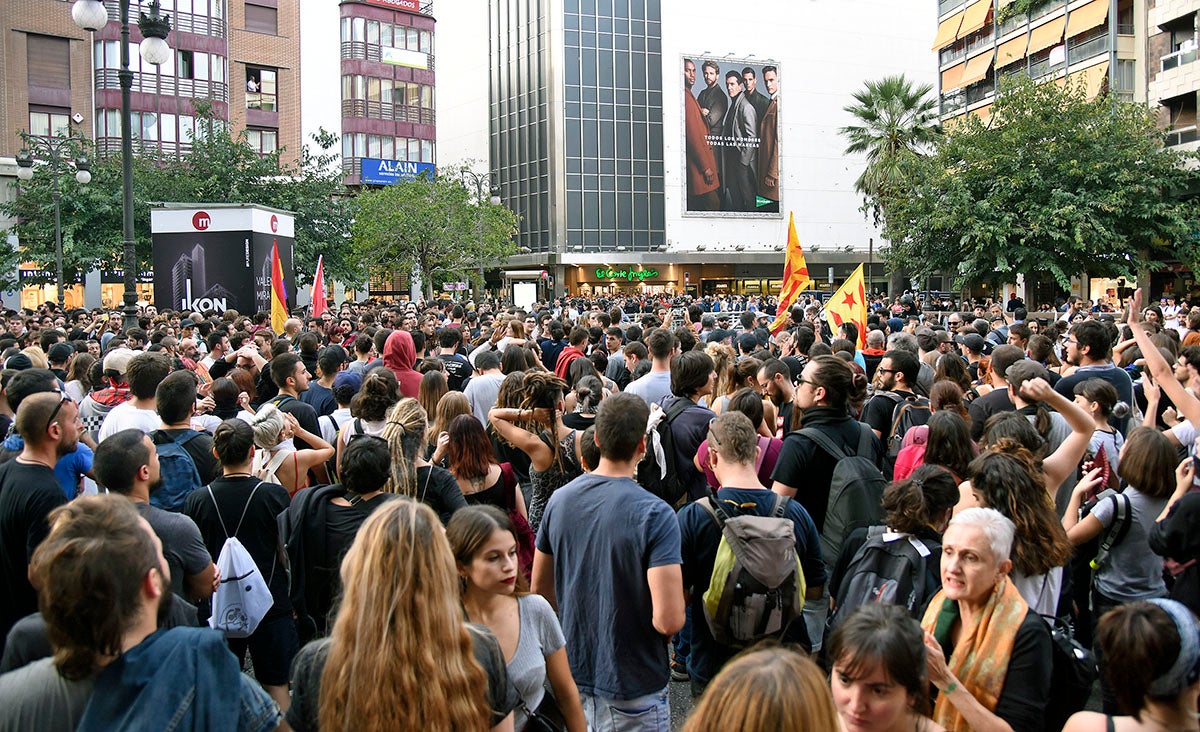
(849, 305)
(795, 276)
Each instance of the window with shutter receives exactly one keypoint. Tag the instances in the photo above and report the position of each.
(48, 61)
(262, 19)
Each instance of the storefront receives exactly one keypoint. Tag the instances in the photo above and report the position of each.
(701, 279)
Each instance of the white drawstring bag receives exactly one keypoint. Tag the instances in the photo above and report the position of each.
(243, 597)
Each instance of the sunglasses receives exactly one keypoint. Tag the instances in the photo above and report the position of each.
(711, 436)
(57, 409)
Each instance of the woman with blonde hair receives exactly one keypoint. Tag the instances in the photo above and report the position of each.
(277, 460)
(411, 475)
(764, 691)
(400, 656)
(744, 375)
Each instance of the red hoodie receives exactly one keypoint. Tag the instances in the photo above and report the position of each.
(399, 355)
(569, 354)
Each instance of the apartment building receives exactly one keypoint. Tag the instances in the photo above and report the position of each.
(1173, 71)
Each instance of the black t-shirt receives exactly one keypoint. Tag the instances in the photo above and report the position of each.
(200, 448)
(785, 416)
(259, 532)
(879, 409)
(994, 402)
(458, 370)
(438, 489)
(809, 469)
(28, 493)
(309, 665)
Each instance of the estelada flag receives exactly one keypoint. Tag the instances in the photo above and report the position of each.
(279, 311)
(319, 305)
(849, 304)
(795, 276)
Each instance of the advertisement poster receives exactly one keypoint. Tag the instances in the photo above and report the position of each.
(731, 136)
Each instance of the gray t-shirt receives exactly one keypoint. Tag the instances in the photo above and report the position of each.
(1131, 571)
(36, 697)
(183, 547)
(481, 393)
(653, 387)
(541, 637)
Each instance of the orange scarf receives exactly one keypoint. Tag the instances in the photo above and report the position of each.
(981, 657)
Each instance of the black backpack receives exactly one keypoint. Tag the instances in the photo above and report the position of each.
(855, 493)
(909, 411)
(663, 480)
(890, 568)
(307, 510)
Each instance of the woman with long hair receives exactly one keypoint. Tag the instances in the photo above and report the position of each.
(744, 375)
(879, 677)
(452, 404)
(553, 451)
(511, 394)
(380, 390)
(410, 474)
(277, 460)
(945, 440)
(950, 367)
(433, 387)
(401, 657)
(494, 595)
(480, 477)
(587, 394)
(766, 690)
(79, 377)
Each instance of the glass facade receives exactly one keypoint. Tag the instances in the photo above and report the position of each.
(610, 147)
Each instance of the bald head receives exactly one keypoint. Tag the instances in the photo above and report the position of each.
(45, 417)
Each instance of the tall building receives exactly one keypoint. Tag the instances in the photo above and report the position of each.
(1097, 42)
(590, 140)
(1174, 73)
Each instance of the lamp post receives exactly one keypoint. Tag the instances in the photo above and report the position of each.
(478, 181)
(91, 15)
(57, 150)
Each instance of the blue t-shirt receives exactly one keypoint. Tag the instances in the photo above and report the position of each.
(71, 466)
(700, 538)
(604, 534)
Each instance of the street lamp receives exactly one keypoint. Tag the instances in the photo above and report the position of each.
(480, 181)
(91, 15)
(56, 150)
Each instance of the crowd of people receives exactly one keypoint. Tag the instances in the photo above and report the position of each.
(431, 516)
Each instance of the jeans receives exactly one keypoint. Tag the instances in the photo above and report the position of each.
(682, 642)
(816, 612)
(649, 713)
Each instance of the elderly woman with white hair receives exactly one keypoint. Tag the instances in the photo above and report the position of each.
(277, 460)
(989, 654)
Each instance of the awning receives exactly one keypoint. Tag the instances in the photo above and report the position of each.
(1087, 17)
(947, 31)
(977, 68)
(984, 113)
(1092, 77)
(952, 78)
(974, 18)
(1045, 36)
(1012, 51)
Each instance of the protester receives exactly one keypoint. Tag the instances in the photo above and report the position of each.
(276, 461)
(410, 474)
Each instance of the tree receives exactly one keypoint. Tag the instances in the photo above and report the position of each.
(1053, 183)
(431, 226)
(896, 122)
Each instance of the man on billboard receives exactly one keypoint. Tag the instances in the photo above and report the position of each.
(768, 142)
(739, 154)
(712, 99)
(702, 179)
(757, 98)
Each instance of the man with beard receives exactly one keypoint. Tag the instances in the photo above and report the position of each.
(29, 491)
(712, 99)
(127, 463)
(1089, 346)
(702, 180)
(103, 589)
(739, 155)
(775, 380)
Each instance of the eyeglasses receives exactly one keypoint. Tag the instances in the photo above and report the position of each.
(1070, 340)
(711, 436)
(881, 370)
(57, 409)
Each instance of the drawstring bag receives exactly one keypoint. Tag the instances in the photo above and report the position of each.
(243, 597)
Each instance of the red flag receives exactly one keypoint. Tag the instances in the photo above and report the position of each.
(319, 305)
(279, 311)
(795, 276)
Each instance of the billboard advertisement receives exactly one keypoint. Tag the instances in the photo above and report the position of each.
(378, 171)
(218, 257)
(731, 136)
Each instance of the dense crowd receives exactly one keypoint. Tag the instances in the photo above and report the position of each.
(431, 516)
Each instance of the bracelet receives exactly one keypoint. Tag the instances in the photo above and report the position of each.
(953, 687)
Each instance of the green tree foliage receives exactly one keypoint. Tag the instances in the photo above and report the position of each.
(895, 121)
(219, 168)
(430, 226)
(1053, 183)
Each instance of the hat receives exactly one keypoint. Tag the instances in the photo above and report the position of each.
(117, 359)
(973, 341)
(718, 335)
(348, 379)
(723, 316)
(187, 323)
(60, 352)
(18, 362)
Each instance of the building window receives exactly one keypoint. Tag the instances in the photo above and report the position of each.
(50, 123)
(186, 64)
(262, 19)
(263, 142)
(261, 89)
(48, 62)
(1124, 79)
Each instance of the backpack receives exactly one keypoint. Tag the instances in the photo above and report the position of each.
(908, 412)
(890, 568)
(243, 597)
(1122, 520)
(855, 492)
(178, 470)
(757, 585)
(305, 548)
(657, 472)
(267, 472)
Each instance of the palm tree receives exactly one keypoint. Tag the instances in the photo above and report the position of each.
(895, 120)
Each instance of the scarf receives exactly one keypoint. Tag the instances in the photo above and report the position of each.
(814, 416)
(980, 660)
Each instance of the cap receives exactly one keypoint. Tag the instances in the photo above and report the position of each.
(60, 352)
(722, 316)
(186, 323)
(117, 359)
(18, 362)
(973, 341)
(350, 379)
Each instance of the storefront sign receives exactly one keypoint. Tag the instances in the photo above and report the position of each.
(404, 57)
(412, 6)
(630, 274)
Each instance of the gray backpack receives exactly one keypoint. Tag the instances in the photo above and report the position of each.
(855, 493)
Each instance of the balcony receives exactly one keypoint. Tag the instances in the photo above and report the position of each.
(1179, 58)
(945, 6)
(203, 25)
(363, 51)
(388, 111)
(1167, 12)
(1180, 75)
(160, 84)
(1182, 136)
(1083, 49)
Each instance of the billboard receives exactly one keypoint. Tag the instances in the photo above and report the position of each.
(731, 137)
(386, 172)
(218, 257)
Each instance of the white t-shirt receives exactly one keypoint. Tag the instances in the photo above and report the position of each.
(125, 417)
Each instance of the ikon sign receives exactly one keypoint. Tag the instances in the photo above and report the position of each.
(201, 220)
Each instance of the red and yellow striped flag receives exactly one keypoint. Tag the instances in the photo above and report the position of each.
(279, 311)
(795, 276)
(849, 304)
